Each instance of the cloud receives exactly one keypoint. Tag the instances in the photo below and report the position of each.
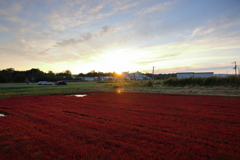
(11, 8)
(2, 12)
(164, 57)
(214, 27)
(69, 42)
(106, 29)
(16, 7)
(210, 68)
(13, 19)
(4, 29)
(202, 31)
(44, 52)
(74, 17)
(96, 9)
(127, 6)
(9, 12)
(162, 6)
(72, 41)
(55, 15)
(87, 37)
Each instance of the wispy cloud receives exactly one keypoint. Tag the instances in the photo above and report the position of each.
(96, 9)
(162, 6)
(4, 29)
(201, 31)
(106, 29)
(126, 6)
(161, 33)
(13, 19)
(71, 41)
(2, 12)
(213, 27)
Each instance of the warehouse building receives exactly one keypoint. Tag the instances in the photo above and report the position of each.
(194, 74)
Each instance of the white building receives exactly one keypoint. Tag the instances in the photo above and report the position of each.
(125, 75)
(134, 76)
(137, 75)
(194, 74)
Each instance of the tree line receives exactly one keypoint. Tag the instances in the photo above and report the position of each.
(34, 75)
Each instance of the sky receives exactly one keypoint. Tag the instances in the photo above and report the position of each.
(120, 35)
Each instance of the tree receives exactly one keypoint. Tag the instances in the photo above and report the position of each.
(92, 74)
(81, 75)
(40, 76)
(3, 79)
(7, 76)
(68, 72)
(10, 70)
(50, 73)
(19, 77)
(115, 74)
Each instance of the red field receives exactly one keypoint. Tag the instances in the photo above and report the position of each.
(108, 125)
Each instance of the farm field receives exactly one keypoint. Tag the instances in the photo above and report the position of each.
(111, 125)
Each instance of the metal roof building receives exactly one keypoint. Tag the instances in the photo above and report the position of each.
(194, 74)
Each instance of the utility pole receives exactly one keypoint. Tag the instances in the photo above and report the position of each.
(153, 73)
(235, 67)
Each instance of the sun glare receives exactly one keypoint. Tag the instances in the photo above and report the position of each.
(118, 61)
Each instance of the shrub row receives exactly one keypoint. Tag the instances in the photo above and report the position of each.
(229, 81)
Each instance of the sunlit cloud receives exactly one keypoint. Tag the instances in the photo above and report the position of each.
(125, 35)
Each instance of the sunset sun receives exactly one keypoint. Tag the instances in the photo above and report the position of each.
(118, 61)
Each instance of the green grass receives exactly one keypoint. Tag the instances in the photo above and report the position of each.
(75, 87)
(48, 90)
(16, 83)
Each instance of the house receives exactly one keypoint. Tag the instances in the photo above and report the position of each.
(75, 76)
(89, 78)
(105, 78)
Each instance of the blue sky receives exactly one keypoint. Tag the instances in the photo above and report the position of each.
(125, 35)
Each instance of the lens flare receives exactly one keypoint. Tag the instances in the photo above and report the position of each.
(119, 90)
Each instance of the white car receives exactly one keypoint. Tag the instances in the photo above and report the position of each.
(45, 83)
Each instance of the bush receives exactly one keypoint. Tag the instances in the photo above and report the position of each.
(229, 81)
(148, 84)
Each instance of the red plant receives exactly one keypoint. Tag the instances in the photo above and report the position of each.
(107, 125)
